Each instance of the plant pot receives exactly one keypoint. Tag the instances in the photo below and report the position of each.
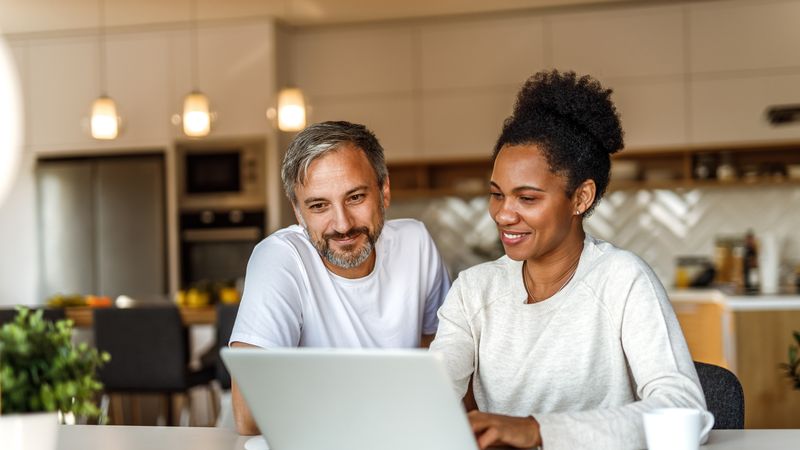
(31, 431)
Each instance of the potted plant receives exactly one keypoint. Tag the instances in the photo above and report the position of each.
(43, 375)
(793, 367)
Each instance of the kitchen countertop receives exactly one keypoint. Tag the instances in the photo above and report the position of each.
(736, 302)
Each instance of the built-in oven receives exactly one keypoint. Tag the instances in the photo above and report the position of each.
(221, 174)
(216, 244)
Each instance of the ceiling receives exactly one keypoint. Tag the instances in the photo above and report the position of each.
(32, 16)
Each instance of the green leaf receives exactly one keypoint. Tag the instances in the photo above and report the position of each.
(40, 369)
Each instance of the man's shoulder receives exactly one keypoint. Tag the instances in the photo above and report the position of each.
(286, 243)
(405, 226)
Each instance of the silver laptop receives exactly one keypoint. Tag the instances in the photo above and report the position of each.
(347, 399)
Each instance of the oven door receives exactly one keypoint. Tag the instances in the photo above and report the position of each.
(216, 255)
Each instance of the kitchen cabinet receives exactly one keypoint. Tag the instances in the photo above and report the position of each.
(762, 341)
(353, 61)
(62, 83)
(743, 35)
(475, 53)
(101, 224)
(750, 335)
(732, 108)
(622, 43)
(464, 124)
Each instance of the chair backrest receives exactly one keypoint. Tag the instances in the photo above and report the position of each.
(51, 314)
(724, 396)
(149, 349)
(226, 317)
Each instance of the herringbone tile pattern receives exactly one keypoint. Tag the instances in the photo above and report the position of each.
(658, 225)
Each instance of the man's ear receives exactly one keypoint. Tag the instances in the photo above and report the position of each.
(583, 198)
(387, 195)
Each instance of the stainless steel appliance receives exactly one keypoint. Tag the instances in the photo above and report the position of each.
(102, 226)
(216, 244)
(221, 174)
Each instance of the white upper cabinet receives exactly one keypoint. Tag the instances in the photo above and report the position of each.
(391, 118)
(479, 53)
(653, 112)
(744, 35)
(237, 72)
(619, 43)
(464, 124)
(357, 61)
(726, 110)
(137, 68)
(63, 81)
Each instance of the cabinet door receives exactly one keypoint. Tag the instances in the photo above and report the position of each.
(66, 227)
(129, 194)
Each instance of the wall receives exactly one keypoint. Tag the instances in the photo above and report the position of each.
(148, 70)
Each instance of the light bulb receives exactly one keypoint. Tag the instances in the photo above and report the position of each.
(291, 110)
(196, 118)
(105, 123)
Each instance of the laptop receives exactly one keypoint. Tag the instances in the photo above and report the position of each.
(350, 399)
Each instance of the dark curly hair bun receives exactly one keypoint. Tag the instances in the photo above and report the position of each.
(581, 102)
(573, 122)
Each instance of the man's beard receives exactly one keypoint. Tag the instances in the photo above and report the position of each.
(348, 258)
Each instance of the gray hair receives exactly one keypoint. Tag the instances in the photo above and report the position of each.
(320, 138)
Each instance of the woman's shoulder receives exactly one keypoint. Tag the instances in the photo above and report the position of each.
(610, 260)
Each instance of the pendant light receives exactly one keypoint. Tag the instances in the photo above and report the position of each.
(291, 109)
(196, 115)
(105, 121)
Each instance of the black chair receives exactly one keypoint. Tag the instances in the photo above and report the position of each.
(149, 348)
(226, 317)
(724, 396)
(51, 314)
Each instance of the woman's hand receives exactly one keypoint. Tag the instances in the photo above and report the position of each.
(494, 429)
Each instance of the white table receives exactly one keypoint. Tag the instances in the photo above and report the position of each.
(93, 437)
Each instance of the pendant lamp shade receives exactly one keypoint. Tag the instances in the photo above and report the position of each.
(196, 117)
(105, 122)
(291, 110)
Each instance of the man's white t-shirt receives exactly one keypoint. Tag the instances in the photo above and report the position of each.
(291, 299)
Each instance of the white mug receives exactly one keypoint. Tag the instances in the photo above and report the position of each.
(676, 428)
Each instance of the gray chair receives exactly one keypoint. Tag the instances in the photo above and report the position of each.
(724, 396)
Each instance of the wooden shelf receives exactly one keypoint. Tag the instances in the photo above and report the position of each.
(755, 163)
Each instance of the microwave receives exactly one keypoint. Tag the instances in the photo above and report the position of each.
(222, 175)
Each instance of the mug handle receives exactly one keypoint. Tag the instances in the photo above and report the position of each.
(709, 423)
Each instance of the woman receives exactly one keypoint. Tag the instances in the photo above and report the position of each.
(566, 339)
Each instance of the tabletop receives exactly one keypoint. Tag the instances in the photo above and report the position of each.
(91, 437)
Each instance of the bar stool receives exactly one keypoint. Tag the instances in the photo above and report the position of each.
(149, 348)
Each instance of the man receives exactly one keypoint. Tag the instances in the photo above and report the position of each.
(344, 277)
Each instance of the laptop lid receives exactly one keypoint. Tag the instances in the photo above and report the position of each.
(350, 399)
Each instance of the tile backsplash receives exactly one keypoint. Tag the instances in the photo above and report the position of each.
(658, 225)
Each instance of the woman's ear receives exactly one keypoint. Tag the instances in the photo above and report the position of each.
(583, 198)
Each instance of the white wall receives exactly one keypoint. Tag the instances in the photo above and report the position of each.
(148, 75)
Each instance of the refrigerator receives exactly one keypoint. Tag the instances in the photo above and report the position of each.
(102, 227)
